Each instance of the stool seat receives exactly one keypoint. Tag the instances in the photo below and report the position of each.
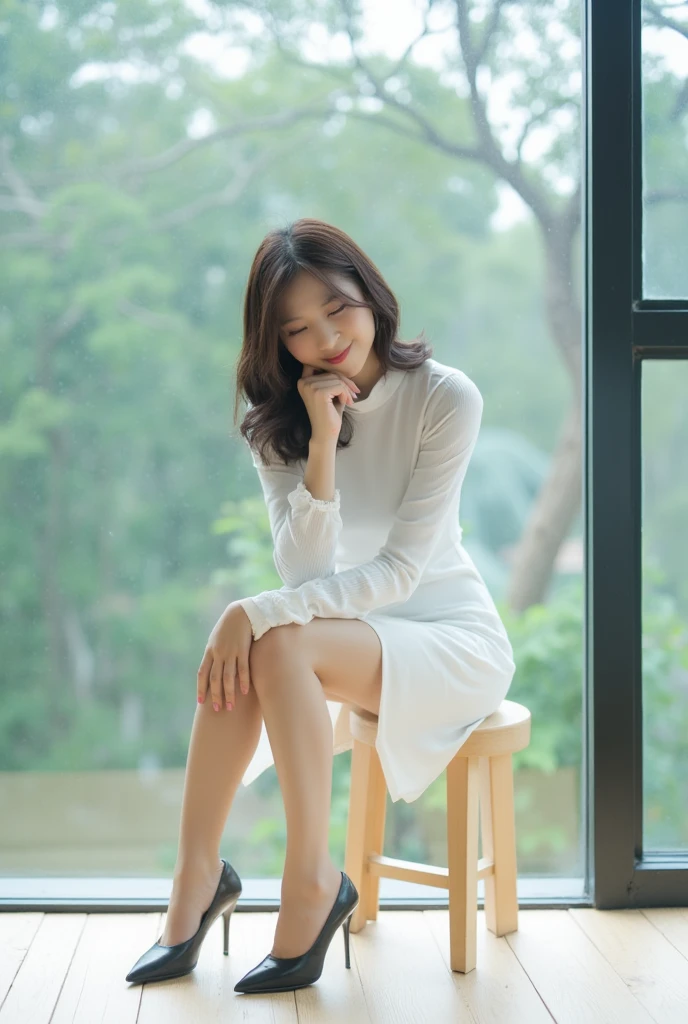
(506, 730)
(479, 788)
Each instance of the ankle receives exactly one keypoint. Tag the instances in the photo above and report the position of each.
(316, 883)
(197, 869)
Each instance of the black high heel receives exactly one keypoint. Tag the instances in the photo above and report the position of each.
(284, 974)
(161, 962)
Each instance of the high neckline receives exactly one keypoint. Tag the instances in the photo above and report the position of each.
(381, 390)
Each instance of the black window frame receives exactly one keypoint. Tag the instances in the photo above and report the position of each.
(622, 329)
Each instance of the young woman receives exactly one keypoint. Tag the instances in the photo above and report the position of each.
(382, 608)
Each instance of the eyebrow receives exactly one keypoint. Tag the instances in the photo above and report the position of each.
(291, 319)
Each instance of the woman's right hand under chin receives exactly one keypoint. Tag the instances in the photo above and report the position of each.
(325, 396)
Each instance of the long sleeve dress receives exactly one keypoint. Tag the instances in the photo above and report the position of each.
(387, 549)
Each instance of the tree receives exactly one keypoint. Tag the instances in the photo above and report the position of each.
(547, 96)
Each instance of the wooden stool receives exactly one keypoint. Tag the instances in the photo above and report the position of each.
(480, 773)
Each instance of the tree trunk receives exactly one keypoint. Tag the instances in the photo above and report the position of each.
(559, 501)
(550, 520)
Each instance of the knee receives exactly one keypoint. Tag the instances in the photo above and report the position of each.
(270, 652)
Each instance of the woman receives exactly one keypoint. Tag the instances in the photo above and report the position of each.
(381, 608)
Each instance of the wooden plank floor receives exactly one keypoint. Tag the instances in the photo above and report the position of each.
(583, 966)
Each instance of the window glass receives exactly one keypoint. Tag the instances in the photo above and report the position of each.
(665, 149)
(144, 161)
(665, 605)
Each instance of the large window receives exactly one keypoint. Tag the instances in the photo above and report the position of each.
(145, 154)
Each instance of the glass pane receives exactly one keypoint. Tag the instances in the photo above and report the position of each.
(665, 149)
(146, 168)
(665, 605)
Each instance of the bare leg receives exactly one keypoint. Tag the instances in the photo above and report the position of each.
(221, 747)
(299, 728)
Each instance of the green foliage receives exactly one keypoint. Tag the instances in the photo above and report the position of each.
(127, 521)
(548, 651)
(665, 715)
(251, 567)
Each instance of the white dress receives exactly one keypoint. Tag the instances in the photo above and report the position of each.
(387, 549)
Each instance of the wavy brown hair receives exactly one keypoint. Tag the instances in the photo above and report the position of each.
(267, 373)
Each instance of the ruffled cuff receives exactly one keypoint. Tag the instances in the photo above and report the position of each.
(259, 624)
(301, 497)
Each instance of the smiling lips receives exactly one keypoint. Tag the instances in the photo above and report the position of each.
(340, 357)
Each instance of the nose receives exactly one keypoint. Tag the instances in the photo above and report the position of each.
(329, 343)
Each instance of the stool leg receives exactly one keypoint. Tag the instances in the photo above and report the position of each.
(462, 843)
(499, 842)
(365, 833)
(377, 803)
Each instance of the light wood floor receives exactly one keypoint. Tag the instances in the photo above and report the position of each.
(579, 965)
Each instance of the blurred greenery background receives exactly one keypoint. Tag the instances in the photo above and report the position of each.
(146, 147)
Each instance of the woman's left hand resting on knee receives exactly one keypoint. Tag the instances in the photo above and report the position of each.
(226, 656)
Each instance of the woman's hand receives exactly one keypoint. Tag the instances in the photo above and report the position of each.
(325, 395)
(226, 655)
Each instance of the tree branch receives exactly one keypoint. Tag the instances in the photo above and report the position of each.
(427, 130)
(49, 341)
(532, 196)
(471, 60)
(425, 34)
(232, 192)
(185, 146)
(665, 195)
(490, 29)
(24, 198)
(536, 118)
(247, 171)
(427, 133)
(148, 317)
(659, 18)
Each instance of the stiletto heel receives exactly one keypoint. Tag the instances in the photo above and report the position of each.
(345, 926)
(161, 962)
(226, 914)
(284, 974)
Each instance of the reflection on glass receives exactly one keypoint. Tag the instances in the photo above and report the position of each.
(665, 605)
(665, 149)
(135, 197)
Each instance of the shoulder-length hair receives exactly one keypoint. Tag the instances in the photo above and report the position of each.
(267, 373)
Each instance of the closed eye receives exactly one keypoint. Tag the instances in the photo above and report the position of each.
(291, 334)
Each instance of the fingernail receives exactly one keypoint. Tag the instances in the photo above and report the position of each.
(200, 700)
(229, 705)
(216, 706)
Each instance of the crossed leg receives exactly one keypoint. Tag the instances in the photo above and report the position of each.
(346, 655)
(294, 670)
